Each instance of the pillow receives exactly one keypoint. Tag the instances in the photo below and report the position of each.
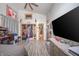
(58, 38)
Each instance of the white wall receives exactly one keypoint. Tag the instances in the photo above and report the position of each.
(39, 17)
(59, 9)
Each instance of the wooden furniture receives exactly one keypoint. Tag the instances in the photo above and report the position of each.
(5, 35)
(10, 37)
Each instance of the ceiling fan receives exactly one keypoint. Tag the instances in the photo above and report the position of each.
(30, 5)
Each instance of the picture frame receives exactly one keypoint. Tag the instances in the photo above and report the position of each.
(28, 16)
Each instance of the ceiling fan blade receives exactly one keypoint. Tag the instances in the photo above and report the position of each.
(30, 6)
(34, 4)
(25, 6)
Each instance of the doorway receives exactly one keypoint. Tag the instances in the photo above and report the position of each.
(28, 31)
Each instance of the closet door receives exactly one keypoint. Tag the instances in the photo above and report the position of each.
(34, 31)
(41, 31)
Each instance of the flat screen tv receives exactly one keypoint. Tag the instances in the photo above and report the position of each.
(67, 26)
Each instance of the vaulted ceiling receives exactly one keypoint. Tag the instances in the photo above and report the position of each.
(51, 10)
(42, 9)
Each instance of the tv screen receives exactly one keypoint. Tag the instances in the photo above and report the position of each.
(67, 26)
